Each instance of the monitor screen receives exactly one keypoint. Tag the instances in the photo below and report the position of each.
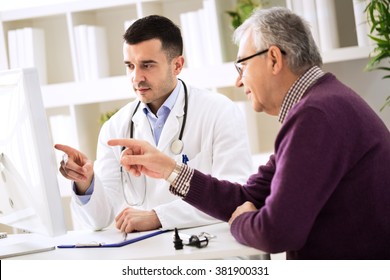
(29, 193)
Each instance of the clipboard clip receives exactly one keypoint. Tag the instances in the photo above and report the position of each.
(90, 244)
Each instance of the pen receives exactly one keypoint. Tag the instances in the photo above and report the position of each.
(124, 236)
(184, 158)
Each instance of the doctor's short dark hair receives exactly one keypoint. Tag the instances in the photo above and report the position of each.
(156, 27)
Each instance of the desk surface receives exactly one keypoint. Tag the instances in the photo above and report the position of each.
(157, 247)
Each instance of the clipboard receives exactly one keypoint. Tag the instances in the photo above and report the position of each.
(112, 245)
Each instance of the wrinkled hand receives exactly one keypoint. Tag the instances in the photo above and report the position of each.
(140, 157)
(77, 167)
(131, 219)
(245, 207)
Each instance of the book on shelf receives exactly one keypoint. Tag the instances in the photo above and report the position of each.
(213, 31)
(3, 51)
(311, 17)
(327, 24)
(202, 36)
(196, 49)
(307, 10)
(98, 52)
(26, 48)
(91, 52)
(321, 16)
(187, 38)
(80, 37)
(361, 23)
(35, 55)
(21, 48)
(13, 49)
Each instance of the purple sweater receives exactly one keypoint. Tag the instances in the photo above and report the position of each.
(325, 193)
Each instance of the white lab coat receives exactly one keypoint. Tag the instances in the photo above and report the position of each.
(215, 141)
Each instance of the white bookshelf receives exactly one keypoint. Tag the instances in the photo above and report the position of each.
(83, 101)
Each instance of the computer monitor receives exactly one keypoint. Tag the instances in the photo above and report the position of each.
(29, 192)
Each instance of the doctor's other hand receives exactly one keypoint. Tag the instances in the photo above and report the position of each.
(131, 219)
(140, 157)
(77, 167)
(244, 208)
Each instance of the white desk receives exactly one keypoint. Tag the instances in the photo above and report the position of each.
(157, 247)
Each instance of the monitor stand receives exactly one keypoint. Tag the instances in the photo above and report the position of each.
(17, 245)
(23, 248)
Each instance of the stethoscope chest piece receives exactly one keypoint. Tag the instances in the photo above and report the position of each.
(177, 146)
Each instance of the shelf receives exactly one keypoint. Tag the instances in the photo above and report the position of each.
(103, 90)
(346, 54)
(119, 87)
(62, 8)
(225, 75)
(218, 76)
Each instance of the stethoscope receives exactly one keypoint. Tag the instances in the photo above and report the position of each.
(176, 147)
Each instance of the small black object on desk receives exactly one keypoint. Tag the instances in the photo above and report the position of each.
(177, 241)
(199, 242)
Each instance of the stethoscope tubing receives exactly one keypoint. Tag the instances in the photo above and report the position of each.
(132, 135)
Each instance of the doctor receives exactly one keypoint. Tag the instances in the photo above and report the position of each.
(202, 129)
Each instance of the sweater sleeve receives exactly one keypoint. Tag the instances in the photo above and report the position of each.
(220, 198)
(309, 159)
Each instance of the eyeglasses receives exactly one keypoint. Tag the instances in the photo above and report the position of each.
(239, 66)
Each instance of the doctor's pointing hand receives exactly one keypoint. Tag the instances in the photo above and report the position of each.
(76, 166)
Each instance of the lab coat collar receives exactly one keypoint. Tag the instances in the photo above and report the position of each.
(173, 123)
(171, 128)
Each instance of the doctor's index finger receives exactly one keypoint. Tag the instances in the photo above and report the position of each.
(66, 149)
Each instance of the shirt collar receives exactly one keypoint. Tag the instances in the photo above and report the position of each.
(298, 89)
(168, 104)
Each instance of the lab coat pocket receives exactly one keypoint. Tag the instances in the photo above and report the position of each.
(202, 162)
